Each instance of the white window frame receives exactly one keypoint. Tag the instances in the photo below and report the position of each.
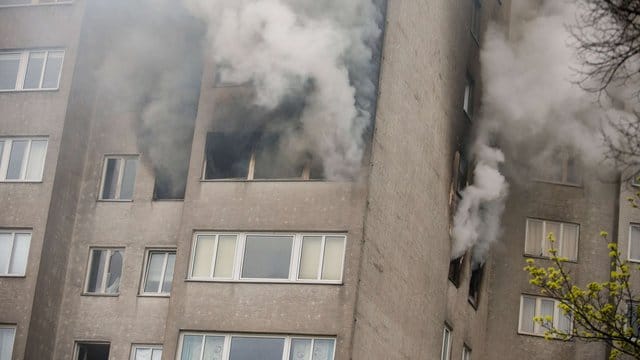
(5, 272)
(5, 151)
(38, 3)
(466, 352)
(135, 347)
(15, 330)
(447, 337)
(123, 160)
(145, 271)
(538, 329)
(559, 239)
(632, 225)
(238, 261)
(24, 62)
(467, 100)
(105, 275)
(228, 336)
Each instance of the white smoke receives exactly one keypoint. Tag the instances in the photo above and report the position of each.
(282, 46)
(533, 106)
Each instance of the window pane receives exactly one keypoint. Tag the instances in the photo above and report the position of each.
(34, 70)
(36, 160)
(444, 353)
(157, 354)
(5, 251)
(203, 255)
(551, 228)
(143, 354)
(18, 151)
(251, 348)
(9, 64)
(267, 257)
(154, 271)
(564, 322)
(332, 261)
(111, 179)
(310, 257)
(533, 241)
(1, 152)
(97, 270)
(225, 255)
(635, 242)
(168, 274)
(20, 254)
(213, 347)
(300, 349)
(323, 349)
(569, 243)
(7, 336)
(128, 179)
(52, 71)
(527, 312)
(191, 347)
(546, 310)
(228, 155)
(115, 272)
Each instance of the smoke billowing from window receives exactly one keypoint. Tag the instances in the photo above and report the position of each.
(532, 108)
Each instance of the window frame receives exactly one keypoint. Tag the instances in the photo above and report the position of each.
(447, 337)
(476, 20)
(24, 62)
(565, 157)
(15, 332)
(466, 352)
(557, 313)
(5, 155)
(13, 232)
(77, 343)
(468, 96)
(629, 241)
(38, 3)
(123, 162)
(226, 350)
(135, 347)
(145, 271)
(559, 239)
(239, 258)
(103, 283)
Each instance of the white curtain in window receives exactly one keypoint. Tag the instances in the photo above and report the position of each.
(323, 349)
(224, 256)
(569, 244)
(533, 241)
(300, 349)
(36, 160)
(550, 228)
(6, 342)
(527, 313)
(191, 347)
(332, 261)
(20, 253)
(310, 257)
(143, 354)
(634, 239)
(203, 255)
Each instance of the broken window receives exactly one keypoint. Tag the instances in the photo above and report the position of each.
(92, 351)
(455, 269)
(105, 271)
(254, 156)
(474, 285)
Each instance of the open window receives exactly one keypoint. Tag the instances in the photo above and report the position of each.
(254, 156)
(474, 285)
(455, 270)
(92, 351)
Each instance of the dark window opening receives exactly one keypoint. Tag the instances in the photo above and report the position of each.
(255, 156)
(462, 172)
(474, 285)
(87, 351)
(632, 317)
(455, 270)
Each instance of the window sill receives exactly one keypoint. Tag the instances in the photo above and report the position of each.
(35, 5)
(541, 257)
(269, 281)
(8, 91)
(21, 181)
(558, 183)
(115, 200)
(542, 336)
(262, 180)
(13, 276)
(636, 261)
(100, 295)
(150, 295)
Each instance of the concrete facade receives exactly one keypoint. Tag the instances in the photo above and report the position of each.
(394, 300)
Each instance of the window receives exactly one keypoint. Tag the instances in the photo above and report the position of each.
(455, 269)
(267, 257)
(634, 242)
(475, 20)
(632, 317)
(14, 252)
(445, 353)
(7, 336)
(92, 351)
(535, 306)
(467, 104)
(105, 271)
(537, 238)
(466, 353)
(195, 346)
(22, 159)
(118, 177)
(146, 352)
(158, 273)
(30, 69)
(254, 156)
(561, 168)
(474, 285)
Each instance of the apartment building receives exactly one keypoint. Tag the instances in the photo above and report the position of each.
(98, 261)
